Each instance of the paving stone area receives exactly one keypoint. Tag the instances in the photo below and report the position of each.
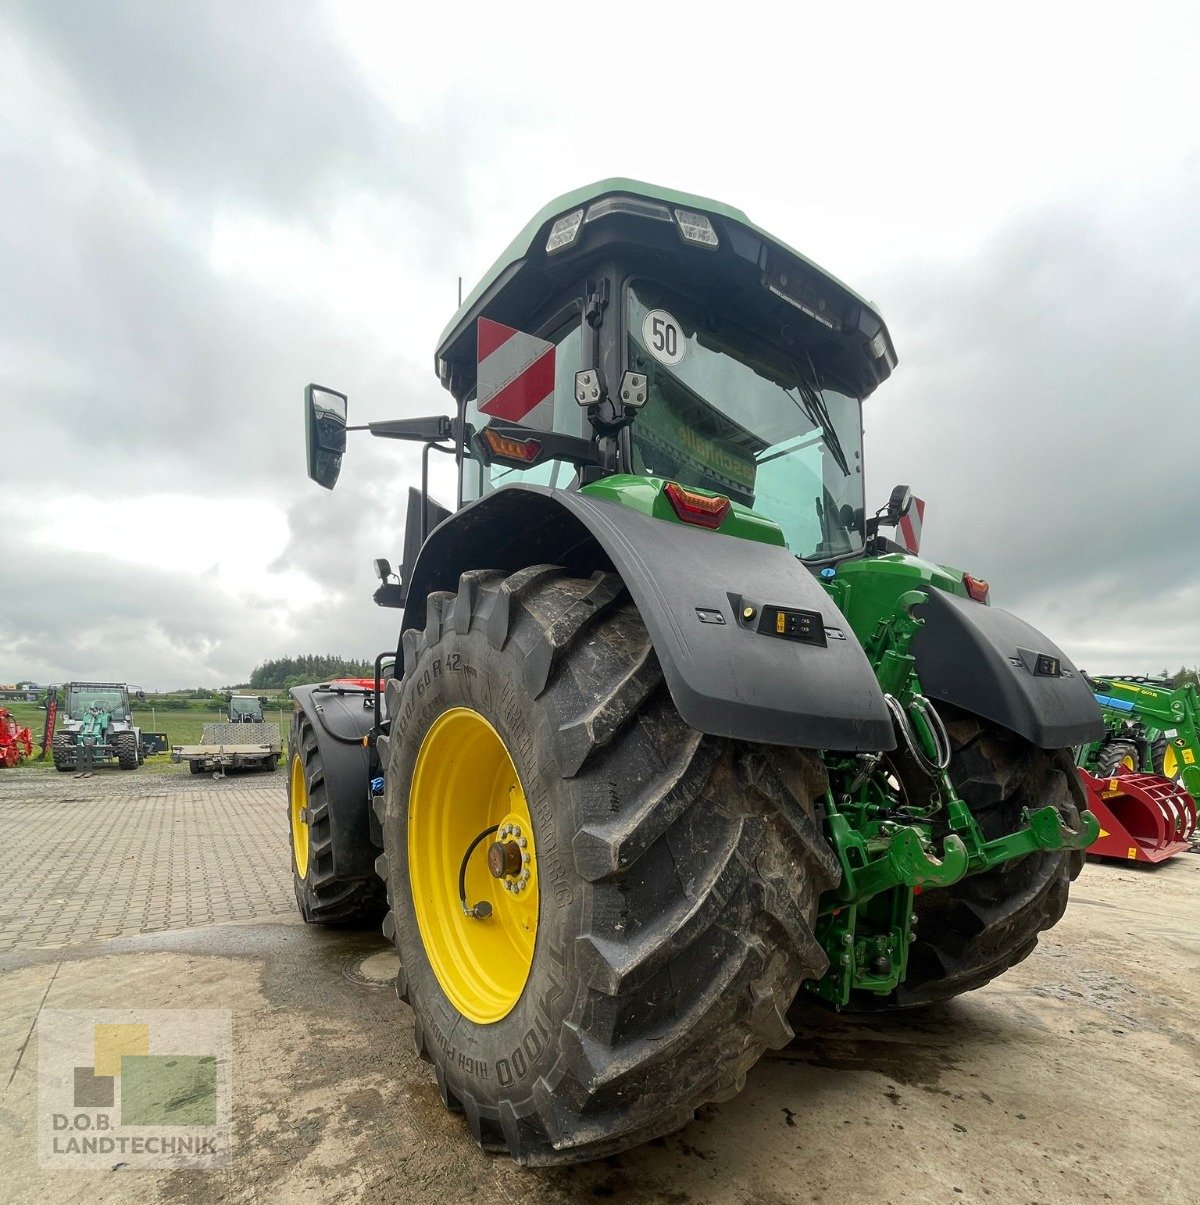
(120, 854)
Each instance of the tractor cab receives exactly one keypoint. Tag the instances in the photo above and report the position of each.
(688, 346)
(246, 709)
(632, 330)
(90, 698)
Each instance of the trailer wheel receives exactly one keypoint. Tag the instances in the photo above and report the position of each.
(322, 898)
(642, 897)
(979, 927)
(63, 751)
(196, 767)
(1116, 755)
(127, 750)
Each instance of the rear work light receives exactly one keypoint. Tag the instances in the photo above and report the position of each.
(504, 447)
(701, 510)
(564, 231)
(977, 588)
(696, 228)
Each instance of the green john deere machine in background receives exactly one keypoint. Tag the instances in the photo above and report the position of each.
(679, 733)
(1151, 726)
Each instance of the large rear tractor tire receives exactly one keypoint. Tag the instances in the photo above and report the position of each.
(979, 927)
(127, 750)
(642, 897)
(1116, 755)
(322, 897)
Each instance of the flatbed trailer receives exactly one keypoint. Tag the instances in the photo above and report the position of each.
(232, 747)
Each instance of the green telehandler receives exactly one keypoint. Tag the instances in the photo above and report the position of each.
(675, 732)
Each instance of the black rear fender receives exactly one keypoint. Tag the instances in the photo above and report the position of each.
(340, 721)
(726, 676)
(988, 661)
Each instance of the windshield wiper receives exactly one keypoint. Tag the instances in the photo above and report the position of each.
(813, 405)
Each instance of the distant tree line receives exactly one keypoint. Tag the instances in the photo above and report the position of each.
(284, 672)
(1183, 675)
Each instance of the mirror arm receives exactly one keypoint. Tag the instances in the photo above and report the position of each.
(423, 429)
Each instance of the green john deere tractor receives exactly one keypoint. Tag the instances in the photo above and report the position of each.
(676, 732)
(1151, 726)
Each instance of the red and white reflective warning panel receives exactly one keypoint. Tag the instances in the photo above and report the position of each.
(908, 530)
(516, 375)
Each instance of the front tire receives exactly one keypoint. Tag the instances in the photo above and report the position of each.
(1164, 759)
(677, 874)
(127, 750)
(1116, 755)
(63, 750)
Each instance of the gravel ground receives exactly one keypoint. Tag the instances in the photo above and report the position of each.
(1073, 1078)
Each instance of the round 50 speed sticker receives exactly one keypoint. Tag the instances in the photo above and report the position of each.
(662, 337)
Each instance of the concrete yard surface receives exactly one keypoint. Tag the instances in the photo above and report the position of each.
(1075, 1077)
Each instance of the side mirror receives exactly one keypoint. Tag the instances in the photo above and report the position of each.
(899, 503)
(325, 433)
(140, 696)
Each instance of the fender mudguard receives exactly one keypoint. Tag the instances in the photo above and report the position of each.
(988, 661)
(340, 721)
(727, 675)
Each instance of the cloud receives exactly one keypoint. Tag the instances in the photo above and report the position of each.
(1042, 408)
(203, 208)
(250, 104)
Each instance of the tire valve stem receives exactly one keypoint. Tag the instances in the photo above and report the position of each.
(483, 909)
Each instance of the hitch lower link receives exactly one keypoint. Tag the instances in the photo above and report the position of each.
(909, 860)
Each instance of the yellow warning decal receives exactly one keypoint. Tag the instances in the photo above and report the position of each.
(1189, 757)
(1132, 854)
(780, 623)
(1104, 833)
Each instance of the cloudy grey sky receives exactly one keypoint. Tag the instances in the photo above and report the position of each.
(205, 205)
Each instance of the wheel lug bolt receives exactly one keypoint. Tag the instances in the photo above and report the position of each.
(522, 842)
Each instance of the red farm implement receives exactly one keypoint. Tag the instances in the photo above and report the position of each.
(1143, 818)
(16, 744)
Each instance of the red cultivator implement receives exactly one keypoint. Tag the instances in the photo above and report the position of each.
(1143, 818)
(15, 743)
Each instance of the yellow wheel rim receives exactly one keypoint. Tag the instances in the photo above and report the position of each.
(1170, 762)
(1128, 762)
(464, 783)
(299, 809)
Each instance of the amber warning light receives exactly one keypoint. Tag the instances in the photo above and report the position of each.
(504, 447)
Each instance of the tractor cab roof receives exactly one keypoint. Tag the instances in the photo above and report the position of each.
(721, 252)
